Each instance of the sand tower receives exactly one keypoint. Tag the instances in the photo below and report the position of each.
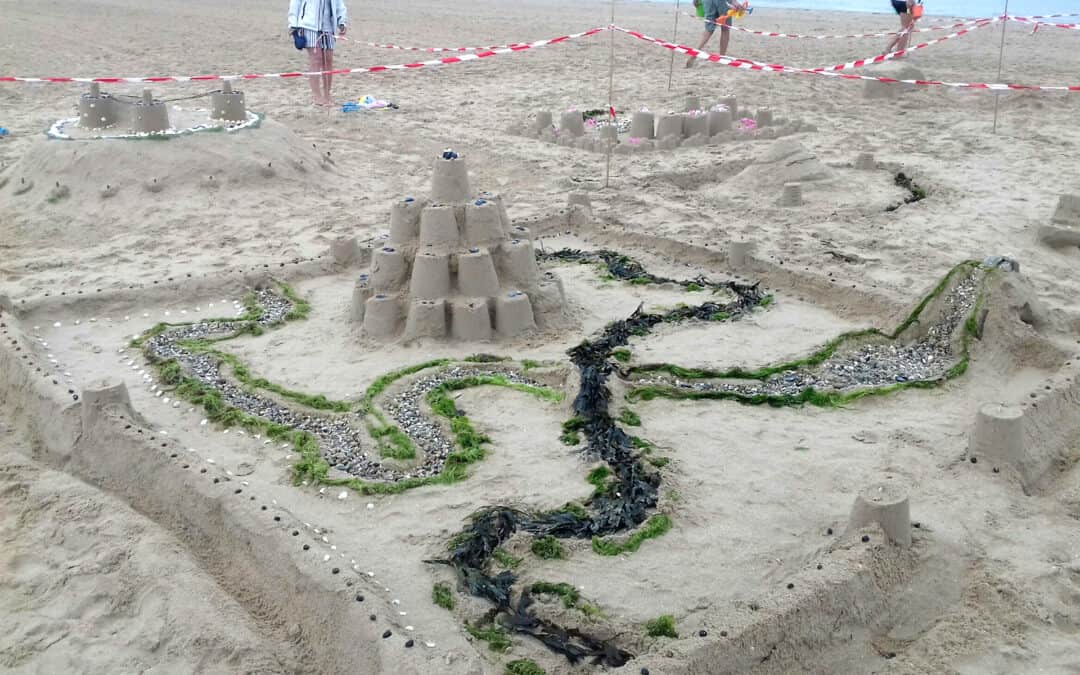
(454, 267)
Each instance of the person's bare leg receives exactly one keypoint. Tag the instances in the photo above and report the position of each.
(701, 45)
(328, 64)
(315, 65)
(900, 41)
(908, 23)
(725, 35)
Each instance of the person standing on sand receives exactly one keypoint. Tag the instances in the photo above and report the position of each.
(716, 12)
(907, 22)
(312, 24)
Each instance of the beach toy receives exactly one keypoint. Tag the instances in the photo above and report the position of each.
(738, 12)
(350, 107)
(700, 7)
(916, 11)
(449, 154)
(3, 132)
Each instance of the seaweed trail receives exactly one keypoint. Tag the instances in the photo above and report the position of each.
(624, 507)
(867, 362)
(625, 268)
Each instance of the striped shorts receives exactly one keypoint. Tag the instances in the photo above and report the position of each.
(318, 39)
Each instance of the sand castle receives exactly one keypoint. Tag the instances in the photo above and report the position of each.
(695, 126)
(454, 267)
(104, 115)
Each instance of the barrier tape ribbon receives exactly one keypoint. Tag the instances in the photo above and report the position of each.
(446, 60)
(1034, 21)
(376, 45)
(763, 33)
(831, 72)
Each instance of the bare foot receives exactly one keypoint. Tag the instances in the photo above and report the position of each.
(690, 61)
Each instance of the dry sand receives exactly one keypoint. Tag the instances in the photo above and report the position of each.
(992, 583)
(90, 586)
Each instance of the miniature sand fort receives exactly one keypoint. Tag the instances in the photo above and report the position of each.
(87, 173)
(645, 131)
(455, 267)
(104, 116)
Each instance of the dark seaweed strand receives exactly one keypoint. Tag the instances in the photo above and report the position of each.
(623, 508)
(625, 268)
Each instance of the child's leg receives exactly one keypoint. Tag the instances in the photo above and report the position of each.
(328, 64)
(725, 35)
(315, 65)
(906, 23)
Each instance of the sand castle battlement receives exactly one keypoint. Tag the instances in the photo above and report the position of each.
(104, 115)
(698, 125)
(454, 267)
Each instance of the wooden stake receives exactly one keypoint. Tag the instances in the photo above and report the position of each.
(610, 92)
(1001, 59)
(674, 40)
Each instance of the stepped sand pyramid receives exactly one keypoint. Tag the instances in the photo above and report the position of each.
(454, 267)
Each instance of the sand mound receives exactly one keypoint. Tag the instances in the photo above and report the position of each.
(1012, 326)
(786, 161)
(61, 191)
(92, 586)
(891, 69)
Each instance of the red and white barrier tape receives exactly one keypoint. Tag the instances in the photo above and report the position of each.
(830, 71)
(825, 72)
(1048, 16)
(446, 60)
(429, 49)
(858, 63)
(881, 58)
(764, 33)
(1030, 20)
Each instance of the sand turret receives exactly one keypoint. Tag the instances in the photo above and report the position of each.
(454, 267)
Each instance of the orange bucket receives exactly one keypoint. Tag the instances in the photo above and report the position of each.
(916, 11)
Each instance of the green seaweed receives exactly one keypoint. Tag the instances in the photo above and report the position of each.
(571, 430)
(598, 478)
(571, 598)
(505, 559)
(630, 418)
(655, 526)
(524, 667)
(442, 596)
(661, 626)
(548, 548)
(498, 639)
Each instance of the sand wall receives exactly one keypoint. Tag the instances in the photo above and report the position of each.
(104, 444)
(856, 586)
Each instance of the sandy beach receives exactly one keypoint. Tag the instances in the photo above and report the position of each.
(147, 535)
